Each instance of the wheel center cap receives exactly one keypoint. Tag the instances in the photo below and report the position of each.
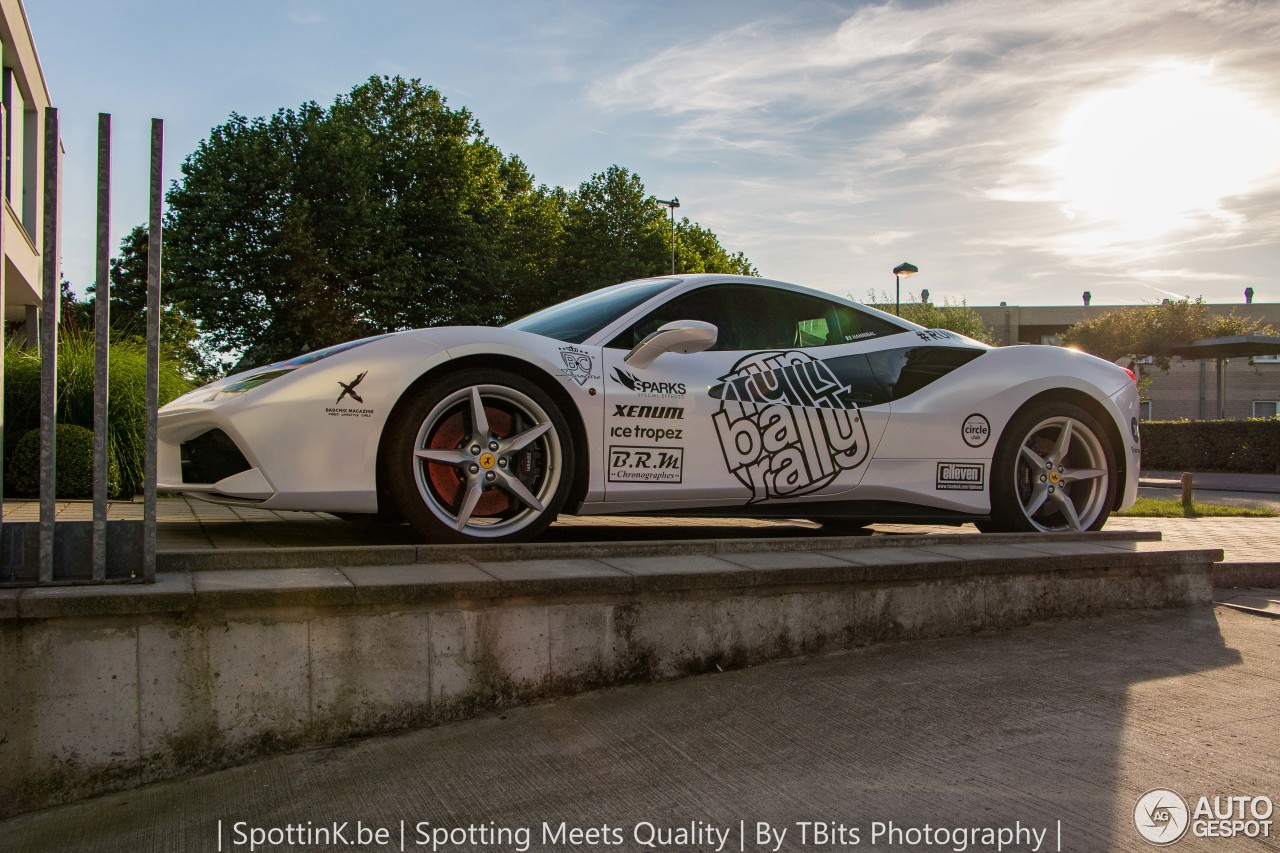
(487, 461)
(1053, 476)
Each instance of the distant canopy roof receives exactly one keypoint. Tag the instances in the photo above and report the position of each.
(1236, 346)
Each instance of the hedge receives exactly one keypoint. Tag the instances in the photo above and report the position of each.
(127, 385)
(1247, 447)
(73, 465)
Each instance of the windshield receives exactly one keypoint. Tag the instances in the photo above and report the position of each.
(581, 317)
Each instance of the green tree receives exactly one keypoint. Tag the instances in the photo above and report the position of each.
(1149, 330)
(181, 340)
(390, 210)
(953, 316)
(386, 211)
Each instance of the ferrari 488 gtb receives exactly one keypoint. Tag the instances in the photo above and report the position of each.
(700, 395)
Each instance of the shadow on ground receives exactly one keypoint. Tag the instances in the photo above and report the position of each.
(1068, 721)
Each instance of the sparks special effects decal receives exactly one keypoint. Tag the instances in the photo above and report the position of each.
(349, 390)
(976, 430)
(785, 425)
(646, 464)
(645, 388)
(961, 476)
(577, 364)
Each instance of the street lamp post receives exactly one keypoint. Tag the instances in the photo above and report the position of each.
(672, 205)
(901, 271)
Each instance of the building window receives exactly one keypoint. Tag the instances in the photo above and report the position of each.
(1266, 359)
(1144, 410)
(1264, 408)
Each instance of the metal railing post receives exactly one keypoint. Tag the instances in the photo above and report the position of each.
(154, 243)
(49, 348)
(3, 319)
(101, 352)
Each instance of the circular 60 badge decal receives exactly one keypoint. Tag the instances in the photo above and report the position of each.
(1161, 816)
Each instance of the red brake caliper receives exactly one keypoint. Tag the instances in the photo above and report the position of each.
(445, 479)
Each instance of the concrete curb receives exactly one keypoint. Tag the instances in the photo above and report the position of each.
(394, 555)
(1246, 575)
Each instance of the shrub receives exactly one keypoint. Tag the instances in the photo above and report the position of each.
(73, 464)
(1248, 446)
(127, 382)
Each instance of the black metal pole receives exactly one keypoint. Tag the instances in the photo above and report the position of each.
(154, 242)
(101, 352)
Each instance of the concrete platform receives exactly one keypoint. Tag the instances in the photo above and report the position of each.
(1067, 722)
(110, 687)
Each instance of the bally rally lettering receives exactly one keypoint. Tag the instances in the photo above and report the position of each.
(786, 426)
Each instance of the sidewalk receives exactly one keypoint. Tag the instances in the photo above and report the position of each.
(186, 524)
(1066, 722)
(1268, 484)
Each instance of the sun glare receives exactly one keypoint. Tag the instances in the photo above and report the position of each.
(1148, 155)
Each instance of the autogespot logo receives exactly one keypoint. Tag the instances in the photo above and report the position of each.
(1161, 816)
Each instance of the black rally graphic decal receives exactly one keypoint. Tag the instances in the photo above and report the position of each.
(786, 425)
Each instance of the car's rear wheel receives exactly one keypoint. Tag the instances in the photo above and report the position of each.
(481, 456)
(1054, 470)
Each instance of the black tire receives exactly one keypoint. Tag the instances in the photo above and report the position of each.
(502, 479)
(1055, 491)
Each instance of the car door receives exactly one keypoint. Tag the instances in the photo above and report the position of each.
(781, 408)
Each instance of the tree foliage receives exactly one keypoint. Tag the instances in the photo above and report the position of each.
(391, 210)
(953, 316)
(1149, 330)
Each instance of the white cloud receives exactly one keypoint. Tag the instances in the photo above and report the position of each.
(942, 123)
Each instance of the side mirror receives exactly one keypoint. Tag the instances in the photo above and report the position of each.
(680, 336)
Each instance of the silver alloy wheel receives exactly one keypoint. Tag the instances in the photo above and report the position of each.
(1061, 475)
(485, 461)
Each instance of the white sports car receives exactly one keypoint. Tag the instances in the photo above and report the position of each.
(694, 394)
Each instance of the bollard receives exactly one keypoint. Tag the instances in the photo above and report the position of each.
(1186, 490)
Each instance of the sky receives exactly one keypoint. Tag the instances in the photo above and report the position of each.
(1013, 150)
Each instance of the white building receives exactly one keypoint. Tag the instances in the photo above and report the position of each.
(25, 97)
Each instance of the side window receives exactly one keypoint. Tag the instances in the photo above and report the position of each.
(750, 317)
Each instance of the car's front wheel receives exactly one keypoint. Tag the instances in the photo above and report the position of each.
(481, 456)
(1054, 470)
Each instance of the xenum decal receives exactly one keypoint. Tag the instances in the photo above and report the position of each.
(786, 426)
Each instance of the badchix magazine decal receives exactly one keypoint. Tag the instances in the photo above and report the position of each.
(349, 392)
(961, 476)
(645, 388)
(577, 364)
(785, 424)
(645, 464)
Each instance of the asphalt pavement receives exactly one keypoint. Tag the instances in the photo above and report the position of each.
(1053, 728)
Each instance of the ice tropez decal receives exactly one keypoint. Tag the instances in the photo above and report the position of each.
(786, 426)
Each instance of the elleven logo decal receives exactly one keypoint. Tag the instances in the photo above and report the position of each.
(961, 476)
(349, 389)
(785, 424)
(645, 388)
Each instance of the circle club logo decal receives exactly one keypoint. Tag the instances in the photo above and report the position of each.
(976, 430)
(1161, 816)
